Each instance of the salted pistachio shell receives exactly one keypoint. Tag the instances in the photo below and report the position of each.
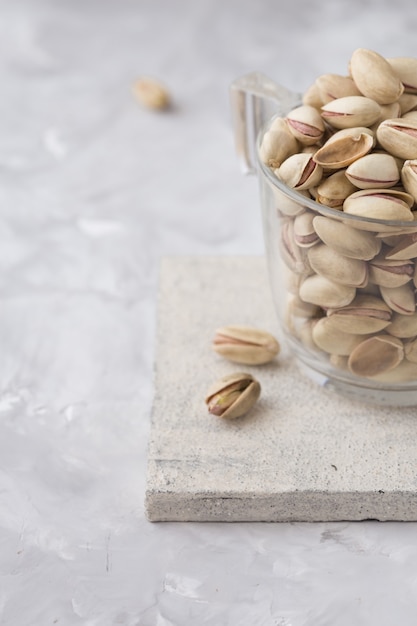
(319, 290)
(277, 144)
(380, 204)
(299, 171)
(400, 299)
(409, 177)
(334, 190)
(406, 70)
(334, 86)
(405, 248)
(304, 234)
(374, 76)
(332, 340)
(389, 273)
(374, 170)
(343, 148)
(408, 104)
(294, 256)
(349, 241)
(366, 314)
(351, 111)
(388, 111)
(403, 326)
(399, 137)
(410, 349)
(329, 263)
(245, 344)
(376, 355)
(404, 372)
(305, 124)
(233, 395)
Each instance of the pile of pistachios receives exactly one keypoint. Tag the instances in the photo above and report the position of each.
(351, 282)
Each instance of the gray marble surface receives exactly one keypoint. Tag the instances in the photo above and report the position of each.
(94, 191)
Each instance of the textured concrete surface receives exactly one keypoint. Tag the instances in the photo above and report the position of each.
(302, 454)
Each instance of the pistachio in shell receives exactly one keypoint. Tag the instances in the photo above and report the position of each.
(325, 293)
(380, 204)
(403, 326)
(366, 314)
(277, 144)
(329, 263)
(349, 241)
(409, 177)
(305, 124)
(351, 111)
(390, 273)
(333, 190)
(299, 171)
(304, 234)
(376, 170)
(245, 344)
(398, 136)
(332, 340)
(400, 299)
(406, 70)
(376, 355)
(374, 76)
(343, 148)
(333, 86)
(233, 395)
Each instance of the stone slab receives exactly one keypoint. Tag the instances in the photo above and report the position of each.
(302, 454)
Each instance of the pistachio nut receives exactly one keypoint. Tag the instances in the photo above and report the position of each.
(332, 340)
(399, 137)
(400, 299)
(406, 248)
(294, 256)
(277, 144)
(406, 70)
(244, 344)
(312, 96)
(349, 241)
(376, 170)
(390, 273)
(343, 148)
(376, 355)
(325, 293)
(233, 395)
(410, 349)
(351, 111)
(409, 177)
(380, 204)
(151, 93)
(304, 234)
(388, 111)
(366, 314)
(374, 76)
(412, 114)
(306, 124)
(342, 270)
(333, 86)
(403, 326)
(405, 372)
(334, 190)
(299, 171)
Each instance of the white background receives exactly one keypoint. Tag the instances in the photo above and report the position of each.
(93, 191)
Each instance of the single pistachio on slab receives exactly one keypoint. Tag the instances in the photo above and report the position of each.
(342, 270)
(390, 273)
(244, 344)
(151, 93)
(374, 76)
(400, 299)
(334, 190)
(399, 137)
(277, 144)
(304, 234)
(233, 395)
(349, 241)
(351, 111)
(376, 355)
(325, 293)
(299, 171)
(306, 124)
(380, 204)
(367, 314)
(406, 70)
(376, 170)
(343, 148)
(334, 86)
(332, 340)
(403, 326)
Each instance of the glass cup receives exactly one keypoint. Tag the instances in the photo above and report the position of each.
(343, 286)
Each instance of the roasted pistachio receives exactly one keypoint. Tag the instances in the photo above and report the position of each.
(332, 340)
(376, 355)
(376, 170)
(345, 239)
(304, 234)
(406, 70)
(400, 299)
(365, 315)
(374, 76)
(344, 147)
(399, 137)
(319, 290)
(351, 111)
(333, 86)
(233, 395)
(306, 124)
(390, 273)
(403, 326)
(329, 263)
(334, 190)
(299, 171)
(244, 344)
(380, 204)
(277, 144)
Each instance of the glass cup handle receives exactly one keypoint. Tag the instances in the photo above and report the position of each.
(254, 99)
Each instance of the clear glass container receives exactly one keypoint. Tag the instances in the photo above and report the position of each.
(332, 274)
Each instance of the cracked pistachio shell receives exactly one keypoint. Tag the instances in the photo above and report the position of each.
(233, 395)
(367, 314)
(334, 341)
(405, 372)
(244, 344)
(409, 177)
(349, 241)
(351, 111)
(325, 293)
(343, 148)
(403, 326)
(334, 86)
(306, 124)
(304, 234)
(374, 76)
(376, 355)
(334, 190)
(299, 171)
(405, 248)
(400, 299)
(342, 270)
(406, 70)
(398, 136)
(294, 257)
(277, 144)
(380, 204)
(374, 170)
(390, 273)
